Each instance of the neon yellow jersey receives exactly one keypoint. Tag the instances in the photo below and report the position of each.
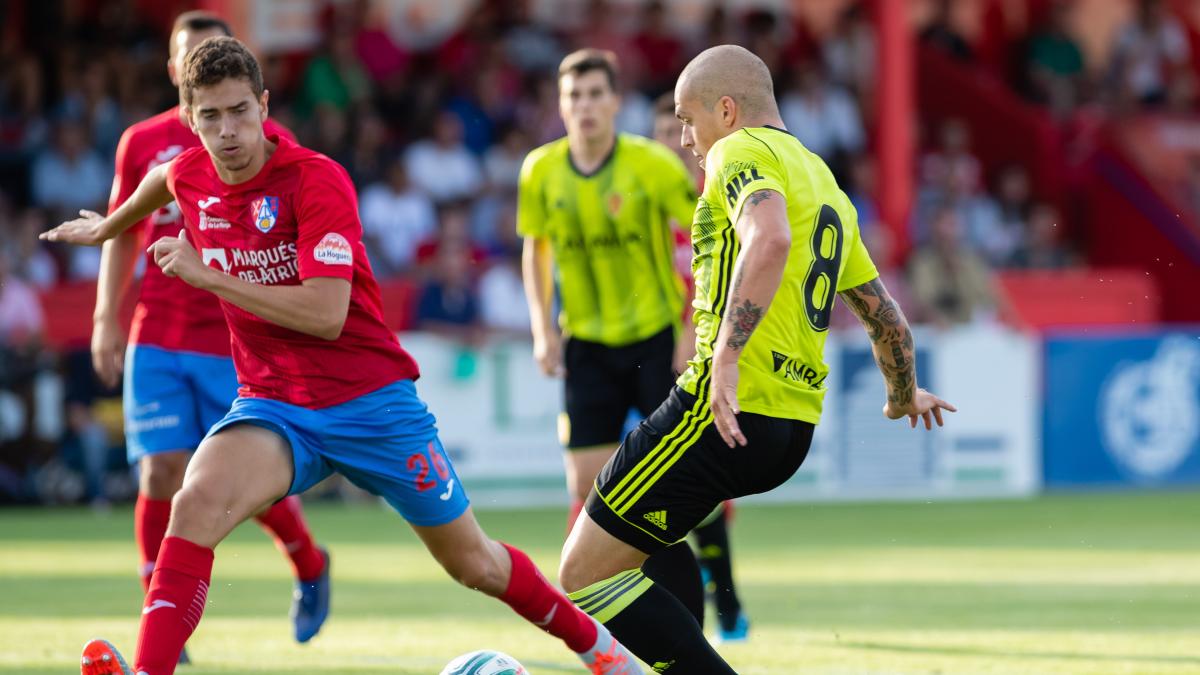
(611, 236)
(782, 368)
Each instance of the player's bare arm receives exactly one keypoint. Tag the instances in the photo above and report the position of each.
(895, 354)
(93, 229)
(317, 307)
(765, 238)
(117, 262)
(536, 268)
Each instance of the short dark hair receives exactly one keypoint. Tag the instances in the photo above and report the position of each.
(586, 60)
(195, 21)
(217, 59)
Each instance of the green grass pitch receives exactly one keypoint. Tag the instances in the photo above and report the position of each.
(1064, 584)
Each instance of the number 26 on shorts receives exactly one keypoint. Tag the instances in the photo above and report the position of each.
(420, 461)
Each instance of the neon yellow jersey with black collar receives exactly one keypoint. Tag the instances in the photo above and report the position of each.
(611, 236)
(782, 368)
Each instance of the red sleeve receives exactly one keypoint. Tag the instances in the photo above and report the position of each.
(171, 171)
(126, 179)
(329, 232)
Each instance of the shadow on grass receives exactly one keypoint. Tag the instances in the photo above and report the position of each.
(1013, 654)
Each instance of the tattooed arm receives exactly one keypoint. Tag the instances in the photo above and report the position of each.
(895, 353)
(765, 238)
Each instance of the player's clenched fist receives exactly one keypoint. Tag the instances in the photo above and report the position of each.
(87, 230)
(177, 258)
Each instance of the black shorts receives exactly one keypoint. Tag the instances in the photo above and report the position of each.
(603, 383)
(674, 469)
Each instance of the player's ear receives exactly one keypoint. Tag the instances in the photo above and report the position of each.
(262, 104)
(186, 111)
(728, 109)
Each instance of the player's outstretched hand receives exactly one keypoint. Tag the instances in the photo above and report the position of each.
(725, 406)
(924, 406)
(86, 230)
(177, 258)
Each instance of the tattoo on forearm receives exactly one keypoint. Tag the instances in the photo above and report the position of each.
(744, 319)
(892, 341)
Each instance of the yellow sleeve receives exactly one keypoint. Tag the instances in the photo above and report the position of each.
(676, 187)
(531, 205)
(859, 269)
(745, 164)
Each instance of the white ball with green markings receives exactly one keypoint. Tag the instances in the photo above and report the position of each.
(484, 662)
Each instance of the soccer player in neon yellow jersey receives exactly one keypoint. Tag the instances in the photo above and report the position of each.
(774, 240)
(595, 207)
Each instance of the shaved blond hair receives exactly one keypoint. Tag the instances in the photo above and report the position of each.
(733, 71)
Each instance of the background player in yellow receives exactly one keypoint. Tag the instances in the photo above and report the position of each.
(595, 210)
(774, 241)
(712, 534)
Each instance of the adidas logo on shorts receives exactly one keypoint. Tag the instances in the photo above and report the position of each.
(659, 518)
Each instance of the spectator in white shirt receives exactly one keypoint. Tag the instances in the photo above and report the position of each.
(70, 175)
(396, 218)
(442, 166)
(823, 116)
(1151, 50)
(22, 320)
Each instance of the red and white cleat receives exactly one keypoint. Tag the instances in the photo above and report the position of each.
(101, 658)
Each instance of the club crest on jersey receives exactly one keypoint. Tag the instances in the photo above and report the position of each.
(266, 210)
(614, 203)
(333, 249)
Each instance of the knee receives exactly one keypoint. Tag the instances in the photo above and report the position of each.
(196, 504)
(573, 575)
(162, 475)
(580, 488)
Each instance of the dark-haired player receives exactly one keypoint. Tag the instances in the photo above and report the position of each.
(595, 210)
(179, 377)
(272, 229)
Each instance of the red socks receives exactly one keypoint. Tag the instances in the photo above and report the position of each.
(543, 605)
(150, 518)
(174, 604)
(285, 522)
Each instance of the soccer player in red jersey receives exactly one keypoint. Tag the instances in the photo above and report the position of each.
(179, 376)
(272, 229)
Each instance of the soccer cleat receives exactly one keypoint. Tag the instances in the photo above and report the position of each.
(101, 658)
(184, 660)
(740, 632)
(310, 604)
(609, 657)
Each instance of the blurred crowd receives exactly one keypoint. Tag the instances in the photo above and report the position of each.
(434, 139)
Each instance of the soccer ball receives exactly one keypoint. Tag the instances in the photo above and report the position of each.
(484, 662)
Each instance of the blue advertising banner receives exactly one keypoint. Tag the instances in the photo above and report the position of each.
(1122, 410)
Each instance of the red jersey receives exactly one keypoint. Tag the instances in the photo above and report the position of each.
(296, 219)
(169, 313)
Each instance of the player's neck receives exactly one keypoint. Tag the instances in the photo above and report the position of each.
(236, 177)
(587, 155)
(764, 121)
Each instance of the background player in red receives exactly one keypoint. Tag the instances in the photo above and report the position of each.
(179, 377)
(325, 385)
